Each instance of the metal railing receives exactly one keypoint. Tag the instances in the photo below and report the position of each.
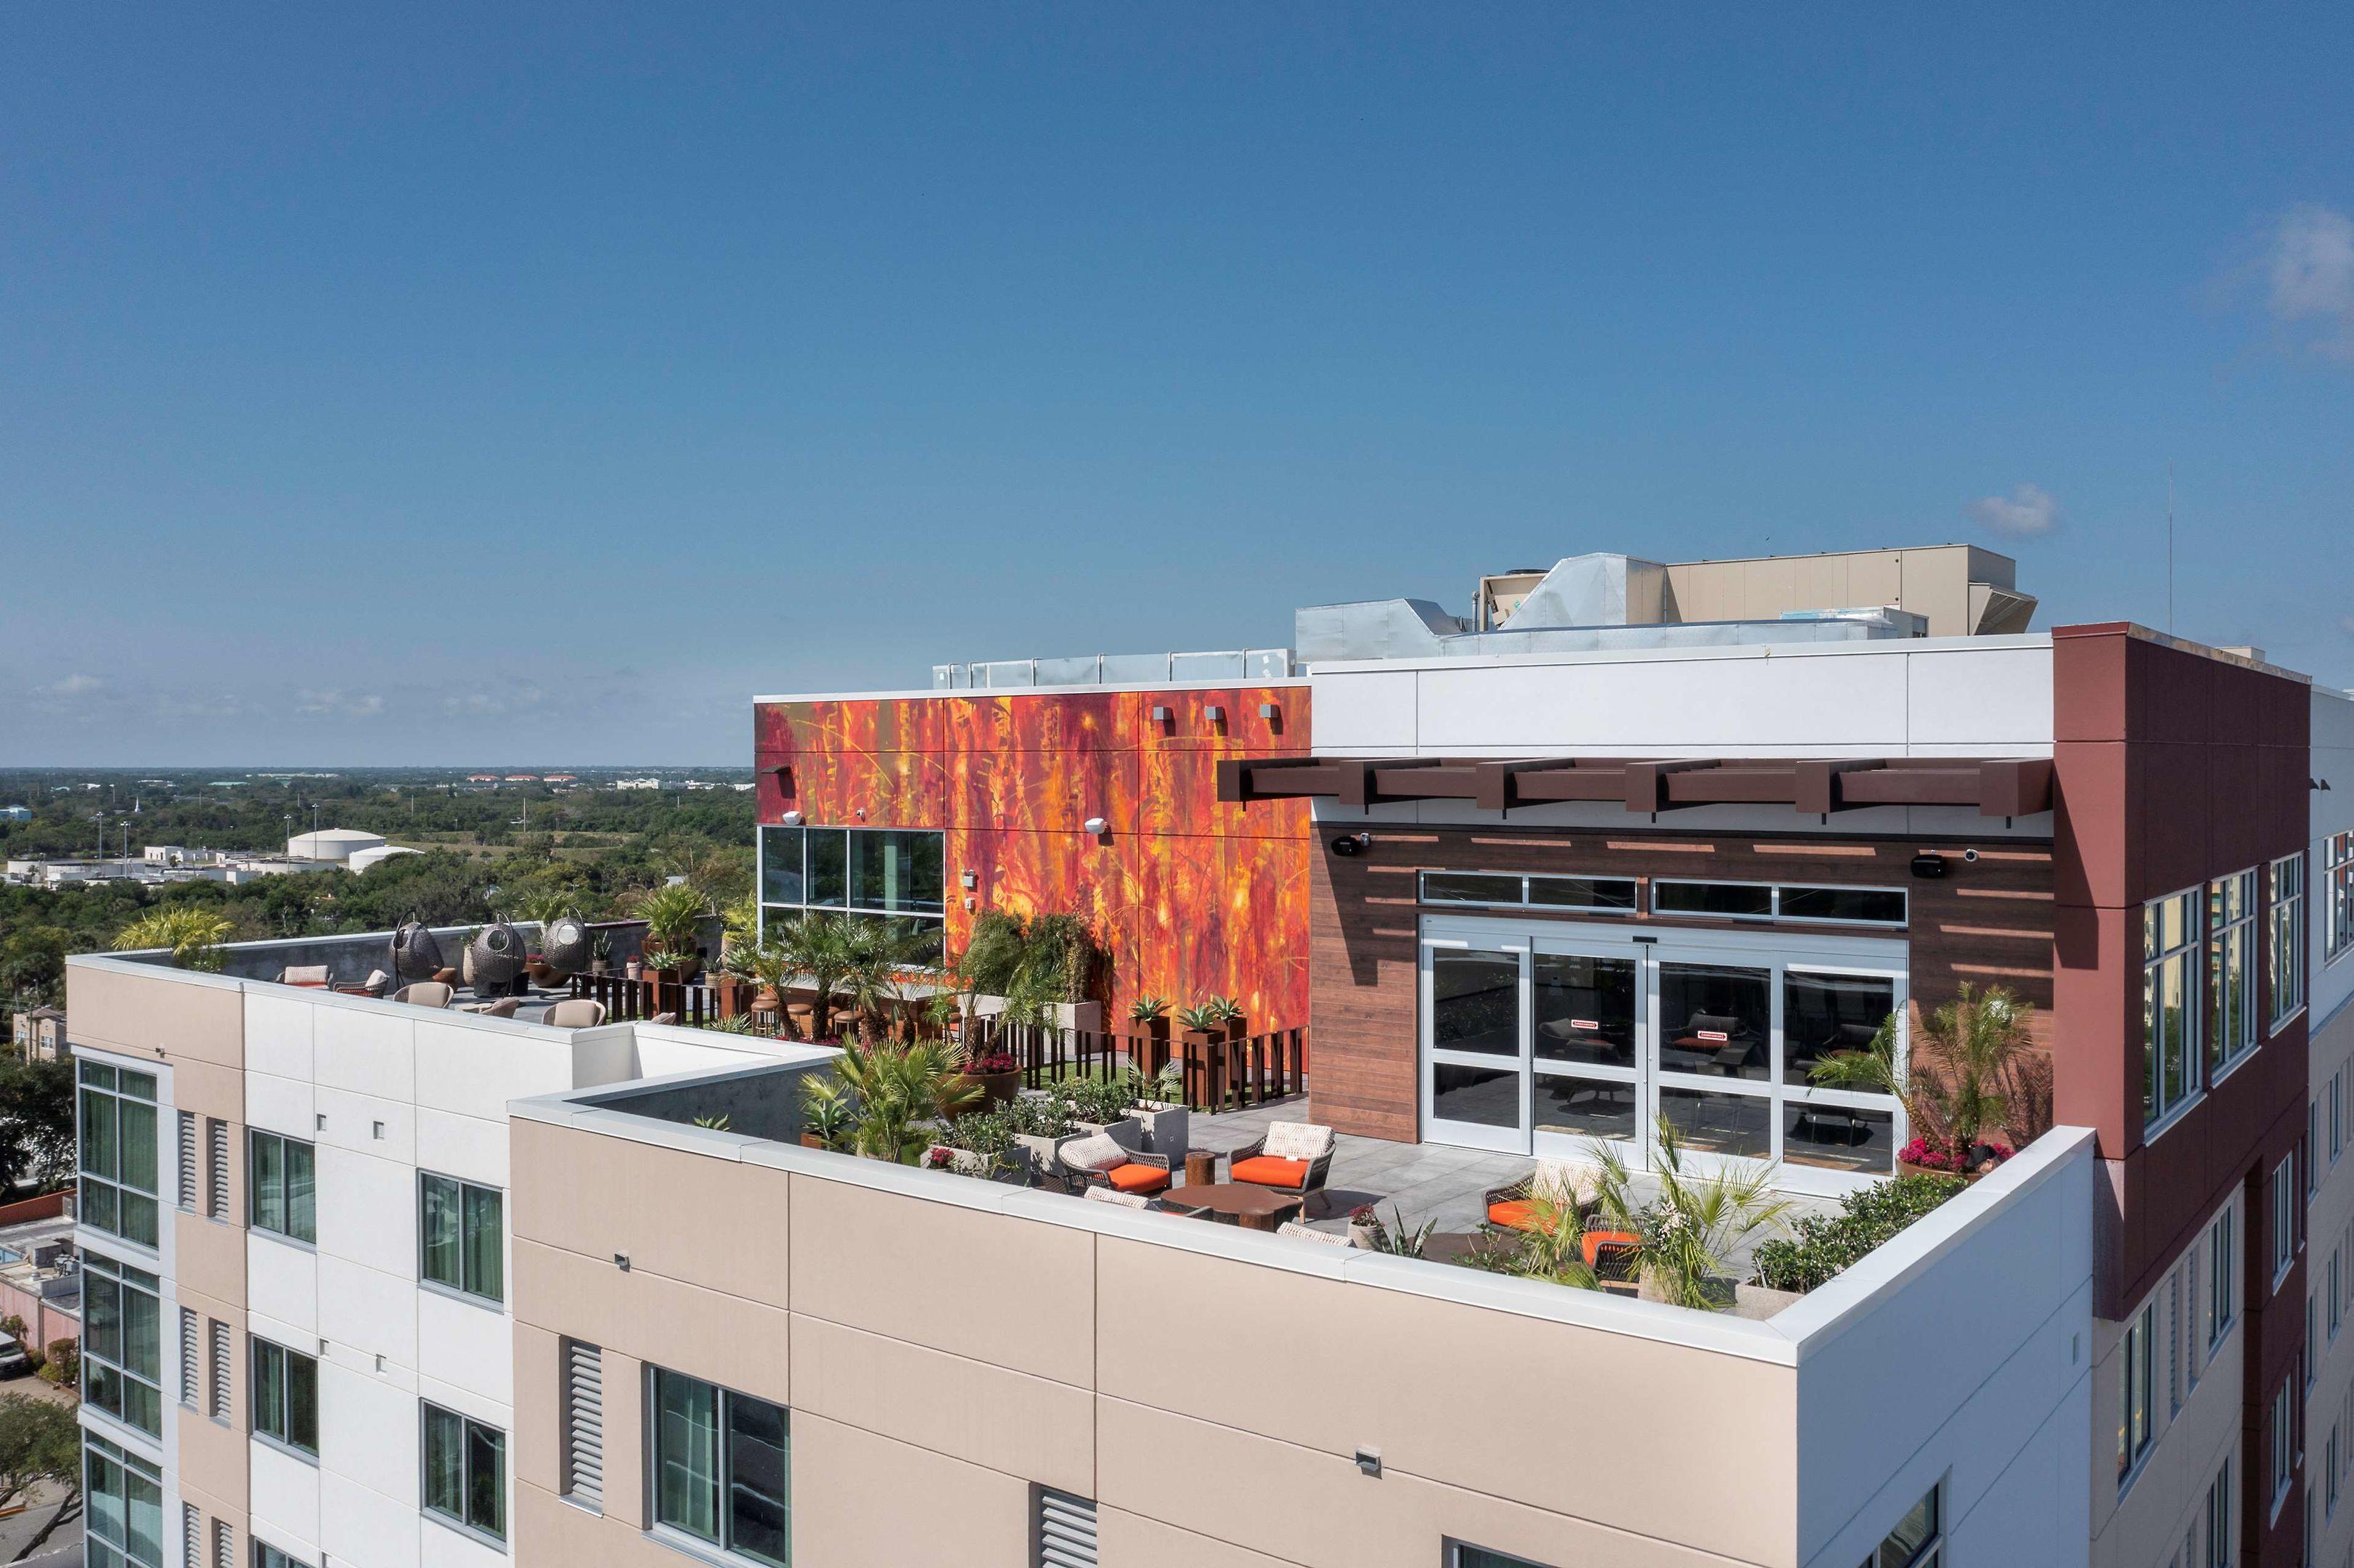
(1219, 1074)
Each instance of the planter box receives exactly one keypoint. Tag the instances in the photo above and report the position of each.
(996, 1088)
(1128, 1131)
(1760, 1302)
(1083, 1016)
(1166, 1131)
(1041, 1150)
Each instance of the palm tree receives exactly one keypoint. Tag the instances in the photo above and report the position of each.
(876, 951)
(1690, 1236)
(673, 914)
(900, 1089)
(194, 936)
(816, 946)
(1956, 1086)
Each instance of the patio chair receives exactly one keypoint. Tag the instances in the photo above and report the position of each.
(314, 975)
(1292, 1157)
(503, 1008)
(1610, 1253)
(1099, 1160)
(1298, 1232)
(1113, 1195)
(576, 1012)
(1509, 1207)
(425, 994)
(663, 1018)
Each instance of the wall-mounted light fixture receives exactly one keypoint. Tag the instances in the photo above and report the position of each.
(1929, 867)
(791, 818)
(1161, 713)
(969, 879)
(1213, 713)
(1353, 843)
(1267, 710)
(1096, 826)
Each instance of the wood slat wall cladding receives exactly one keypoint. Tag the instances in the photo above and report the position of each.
(1989, 923)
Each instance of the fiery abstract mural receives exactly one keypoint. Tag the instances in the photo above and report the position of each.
(1188, 896)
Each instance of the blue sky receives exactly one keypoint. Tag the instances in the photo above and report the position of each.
(532, 385)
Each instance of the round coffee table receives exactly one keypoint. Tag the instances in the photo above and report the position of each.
(1252, 1207)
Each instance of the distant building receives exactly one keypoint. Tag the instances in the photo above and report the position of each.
(15, 813)
(557, 779)
(336, 845)
(523, 778)
(637, 783)
(40, 1034)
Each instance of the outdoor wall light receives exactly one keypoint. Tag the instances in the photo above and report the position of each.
(1369, 1462)
(969, 879)
(1214, 714)
(1095, 826)
(1266, 710)
(792, 818)
(1161, 714)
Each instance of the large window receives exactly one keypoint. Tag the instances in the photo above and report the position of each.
(2170, 933)
(2337, 894)
(2286, 920)
(896, 872)
(2222, 1270)
(123, 1344)
(124, 1495)
(118, 1151)
(281, 1186)
(465, 1472)
(1762, 901)
(285, 1396)
(1918, 1539)
(722, 1468)
(1581, 894)
(462, 1235)
(2136, 1423)
(2230, 970)
(2284, 1441)
(2219, 1540)
(1461, 1556)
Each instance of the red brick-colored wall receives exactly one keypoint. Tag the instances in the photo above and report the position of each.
(1188, 896)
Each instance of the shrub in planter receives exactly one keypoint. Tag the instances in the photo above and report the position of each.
(1821, 1246)
(63, 1366)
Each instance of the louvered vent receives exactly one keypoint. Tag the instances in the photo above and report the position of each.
(222, 1370)
(584, 1424)
(1066, 1531)
(190, 1361)
(224, 1545)
(192, 1535)
(188, 1160)
(217, 1151)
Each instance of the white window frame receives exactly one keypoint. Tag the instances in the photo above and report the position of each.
(2223, 1306)
(1773, 891)
(2338, 896)
(2137, 1393)
(2232, 971)
(2284, 1443)
(1634, 887)
(2283, 1218)
(2284, 933)
(2163, 1105)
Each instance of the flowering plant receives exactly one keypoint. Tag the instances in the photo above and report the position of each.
(938, 1156)
(992, 1062)
(1920, 1152)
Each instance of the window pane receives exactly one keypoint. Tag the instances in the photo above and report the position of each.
(759, 1481)
(1721, 1124)
(142, 1335)
(486, 1479)
(443, 1253)
(1586, 1009)
(445, 1463)
(686, 1454)
(303, 1402)
(1877, 905)
(137, 1219)
(1716, 1020)
(1916, 1531)
(268, 1389)
(268, 1202)
(98, 1208)
(1588, 1107)
(103, 1302)
(301, 1197)
(1839, 1137)
(98, 1143)
(896, 871)
(1582, 892)
(829, 867)
(485, 1237)
(1475, 1002)
(1829, 1015)
(1719, 899)
(1468, 887)
(136, 1127)
(1488, 1096)
(780, 866)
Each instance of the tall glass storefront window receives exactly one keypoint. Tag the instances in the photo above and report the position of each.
(123, 1344)
(865, 873)
(117, 1116)
(124, 1495)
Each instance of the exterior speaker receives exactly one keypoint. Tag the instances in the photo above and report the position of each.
(1929, 867)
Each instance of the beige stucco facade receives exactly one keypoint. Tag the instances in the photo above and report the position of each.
(946, 1347)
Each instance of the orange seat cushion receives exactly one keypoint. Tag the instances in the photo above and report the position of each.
(1268, 1171)
(1518, 1214)
(1137, 1178)
(1615, 1240)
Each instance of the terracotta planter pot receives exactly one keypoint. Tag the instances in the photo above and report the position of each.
(996, 1088)
(811, 1140)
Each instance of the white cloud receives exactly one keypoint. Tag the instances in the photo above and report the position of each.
(336, 702)
(2308, 267)
(2027, 512)
(79, 686)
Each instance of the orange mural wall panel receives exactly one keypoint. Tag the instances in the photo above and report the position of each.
(1188, 897)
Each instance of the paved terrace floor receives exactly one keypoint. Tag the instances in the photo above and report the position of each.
(1424, 1181)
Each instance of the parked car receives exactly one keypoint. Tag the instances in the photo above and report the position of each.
(13, 1362)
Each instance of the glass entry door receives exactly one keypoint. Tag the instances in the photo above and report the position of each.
(1549, 1039)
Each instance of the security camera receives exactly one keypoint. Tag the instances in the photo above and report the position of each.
(1970, 855)
(1352, 843)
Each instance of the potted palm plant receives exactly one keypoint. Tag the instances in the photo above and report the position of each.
(901, 1092)
(1689, 1237)
(1150, 1013)
(673, 914)
(817, 949)
(1954, 1087)
(825, 1112)
(1230, 1017)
